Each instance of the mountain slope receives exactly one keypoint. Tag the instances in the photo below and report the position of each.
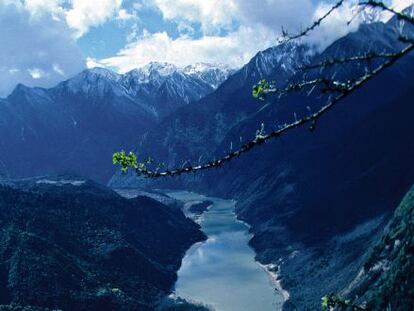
(164, 87)
(70, 244)
(230, 116)
(305, 190)
(315, 201)
(194, 130)
(78, 124)
(386, 279)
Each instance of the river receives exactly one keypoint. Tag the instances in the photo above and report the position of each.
(221, 272)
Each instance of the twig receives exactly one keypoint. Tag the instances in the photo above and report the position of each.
(314, 25)
(274, 134)
(339, 61)
(382, 6)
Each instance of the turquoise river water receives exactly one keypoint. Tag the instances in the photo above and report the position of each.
(221, 272)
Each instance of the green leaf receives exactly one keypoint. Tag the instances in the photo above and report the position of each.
(125, 160)
(325, 302)
(261, 89)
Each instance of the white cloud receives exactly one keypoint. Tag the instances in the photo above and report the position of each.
(92, 63)
(347, 19)
(124, 15)
(88, 13)
(80, 15)
(213, 15)
(35, 50)
(343, 20)
(234, 49)
(232, 31)
(36, 73)
(58, 69)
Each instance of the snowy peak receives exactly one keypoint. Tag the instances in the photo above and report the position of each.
(156, 88)
(213, 75)
(93, 75)
(199, 68)
(152, 71)
(101, 72)
(163, 69)
(284, 59)
(91, 82)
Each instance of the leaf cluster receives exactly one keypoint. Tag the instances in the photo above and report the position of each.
(129, 160)
(261, 89)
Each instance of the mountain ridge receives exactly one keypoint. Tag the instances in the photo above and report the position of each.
(69, 243)
(304, 191)
(78, 124)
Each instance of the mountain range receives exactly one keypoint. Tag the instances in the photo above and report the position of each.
(78, 124)
(315, 201)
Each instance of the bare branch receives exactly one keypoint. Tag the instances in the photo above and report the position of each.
(341, 90)
(381, 5)
(325, 83)
(339, 61)
(311, 118)
(315, 24)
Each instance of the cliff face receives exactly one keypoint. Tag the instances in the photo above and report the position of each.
(317, 200)
(73, 245)
(330, 197)
(386, 280)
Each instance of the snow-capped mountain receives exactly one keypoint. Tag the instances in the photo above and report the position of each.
(317, 191)
(157, 88)
(211, 74)
(79, 123)
(155, 72)
(164, 87)
(204, 123)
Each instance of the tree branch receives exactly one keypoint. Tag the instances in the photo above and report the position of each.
(327, 85)
(381, 5)
(343, 88)
(339, 61)
(315, 24)
(261, 139)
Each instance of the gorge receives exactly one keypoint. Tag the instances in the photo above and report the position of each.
(319, 213)
(221, 272)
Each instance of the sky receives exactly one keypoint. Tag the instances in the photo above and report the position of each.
(43, 42)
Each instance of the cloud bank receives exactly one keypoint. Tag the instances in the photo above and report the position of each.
(39, 37)
(234, 49)
(231, 31)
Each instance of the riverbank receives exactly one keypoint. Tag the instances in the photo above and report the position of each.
(222, 272)
(271, 269)
(275, 278)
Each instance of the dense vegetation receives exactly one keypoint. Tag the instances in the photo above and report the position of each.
(80, 246)
(387, 278)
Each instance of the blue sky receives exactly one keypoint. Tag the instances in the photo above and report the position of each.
(47, 41)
